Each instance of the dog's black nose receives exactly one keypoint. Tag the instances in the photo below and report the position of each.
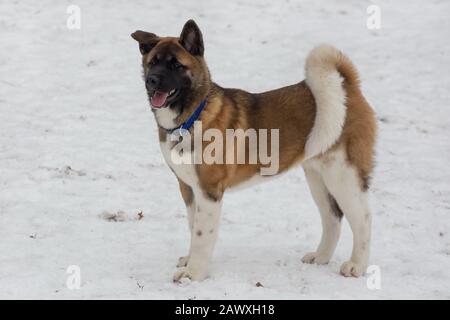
(153, 81)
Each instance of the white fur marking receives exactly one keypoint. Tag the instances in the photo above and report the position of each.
(325, 83)
(203, 238)
(185, 172)
(183, 261)
(166, 117)
(342, 180)
(204, 216)
(331, 224)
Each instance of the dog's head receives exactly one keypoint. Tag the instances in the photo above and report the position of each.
(175, 72)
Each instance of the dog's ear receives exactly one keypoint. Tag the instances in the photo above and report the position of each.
(146, 40)
(191, 38)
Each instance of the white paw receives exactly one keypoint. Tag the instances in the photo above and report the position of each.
(183, 261)
(352, 269)
(314, 257)
(188, 273)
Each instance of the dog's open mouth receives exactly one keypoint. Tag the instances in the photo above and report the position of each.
(159, 99)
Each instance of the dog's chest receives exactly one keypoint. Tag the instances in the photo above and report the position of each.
(177, 162)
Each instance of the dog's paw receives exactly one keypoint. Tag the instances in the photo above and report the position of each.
(352, 269)
(188, 273)
(314, 257)
(183, 261)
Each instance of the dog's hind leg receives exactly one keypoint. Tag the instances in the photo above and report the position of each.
(345, 184)
(330, 215)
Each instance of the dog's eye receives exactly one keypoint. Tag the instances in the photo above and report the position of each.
(153, 61)
(177, 65)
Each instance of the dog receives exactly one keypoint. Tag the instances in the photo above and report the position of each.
(324, 123)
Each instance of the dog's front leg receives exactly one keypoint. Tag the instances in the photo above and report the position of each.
(188, 197)
(203, 237)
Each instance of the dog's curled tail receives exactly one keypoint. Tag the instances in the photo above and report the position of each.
(330, 75)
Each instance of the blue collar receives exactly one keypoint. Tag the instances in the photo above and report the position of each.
(189, 122)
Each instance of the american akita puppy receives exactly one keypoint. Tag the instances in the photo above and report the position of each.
(323, 122)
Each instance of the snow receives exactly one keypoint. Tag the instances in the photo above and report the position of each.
(79, 153)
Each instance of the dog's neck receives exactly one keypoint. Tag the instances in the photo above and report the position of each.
(174, 116)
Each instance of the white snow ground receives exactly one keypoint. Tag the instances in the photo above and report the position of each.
(77, 138)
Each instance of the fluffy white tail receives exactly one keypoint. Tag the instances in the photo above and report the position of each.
(326, 68)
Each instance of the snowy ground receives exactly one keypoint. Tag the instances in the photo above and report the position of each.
(77, 138)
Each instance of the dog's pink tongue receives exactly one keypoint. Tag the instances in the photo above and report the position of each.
(159, 98)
